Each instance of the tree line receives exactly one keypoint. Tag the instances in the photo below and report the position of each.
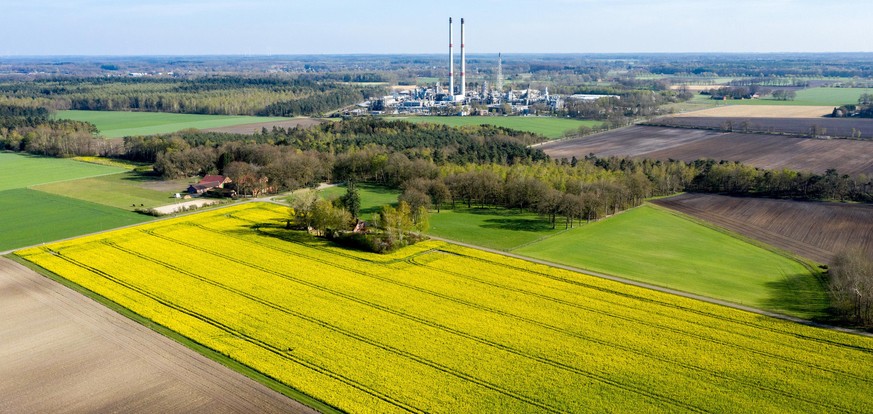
(224, 95)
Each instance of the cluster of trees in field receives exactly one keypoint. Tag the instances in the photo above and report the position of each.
(32, 129)
(864, 108)
(623, 110)
(851, 286)
(227, 95)
(390, 229)
(749, 92)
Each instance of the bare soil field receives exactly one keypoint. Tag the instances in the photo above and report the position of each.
(814, 230)
(763, 151)
(762, 111)
(777, 152)
(253, 128)
(63, 352)
(632, 141)
(836, 127)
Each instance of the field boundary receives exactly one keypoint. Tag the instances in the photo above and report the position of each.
(755, 131)
(201, 349)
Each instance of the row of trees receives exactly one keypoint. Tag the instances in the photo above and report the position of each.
(32, 129)
(851, 286)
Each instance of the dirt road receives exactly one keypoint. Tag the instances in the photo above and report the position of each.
(62, 352)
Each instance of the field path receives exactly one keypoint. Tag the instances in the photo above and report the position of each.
(63, 352)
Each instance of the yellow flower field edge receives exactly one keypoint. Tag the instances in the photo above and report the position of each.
(443, 328)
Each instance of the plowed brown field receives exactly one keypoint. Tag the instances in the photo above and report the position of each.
(763, 151)
(814, 230)
(762, 111)
(63, 352)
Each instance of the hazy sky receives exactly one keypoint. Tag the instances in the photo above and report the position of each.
(170, 27)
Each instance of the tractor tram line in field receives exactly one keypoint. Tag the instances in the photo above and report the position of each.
(437, 325)
(226, 328)
(444, 320)
(343, 331)
(661, 326)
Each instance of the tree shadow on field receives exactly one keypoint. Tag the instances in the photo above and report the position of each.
(801, 294)
(521, 224)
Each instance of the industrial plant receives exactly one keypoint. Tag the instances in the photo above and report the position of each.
(434, 99)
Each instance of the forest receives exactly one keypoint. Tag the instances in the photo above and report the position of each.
(224, 95)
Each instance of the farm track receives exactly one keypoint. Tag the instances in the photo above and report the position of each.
(69, 353)
(816, 230)
(366, 298)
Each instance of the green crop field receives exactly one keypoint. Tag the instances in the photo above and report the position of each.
(656, 246)
(437, 327)
(117, 124)
(372, 197)
(495, 228)
(810, 97)
(31, 217)
(21, 170)
(123, 191)
(546, 126)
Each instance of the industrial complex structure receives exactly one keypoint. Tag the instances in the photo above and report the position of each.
(457, 100)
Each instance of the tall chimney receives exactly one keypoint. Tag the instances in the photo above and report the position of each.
(463, 64)
(451, 63)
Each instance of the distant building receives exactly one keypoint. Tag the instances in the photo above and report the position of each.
(207, 183)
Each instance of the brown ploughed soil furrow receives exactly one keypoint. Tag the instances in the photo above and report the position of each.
(63, 352)
(816, 230)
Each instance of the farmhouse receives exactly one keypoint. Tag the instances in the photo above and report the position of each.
(207, 183)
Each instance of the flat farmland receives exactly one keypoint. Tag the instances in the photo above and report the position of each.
(549, 127)
(656, 246)
(257, 127)
(632, 141)
(443, 328)
(31, 217)
(63, 352)
(838, 127)
(22, 170)
(814, 230)
(811, 97)
(762, 111)
(763, 151)
(119, 124)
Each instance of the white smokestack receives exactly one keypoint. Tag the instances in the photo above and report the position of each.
(463, 64)
(451, 62)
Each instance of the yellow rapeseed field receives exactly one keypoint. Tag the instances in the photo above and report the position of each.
(442, 328)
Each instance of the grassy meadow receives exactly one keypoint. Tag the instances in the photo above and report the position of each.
(495, 228)
(118, 124)
(656, 246)
(549, 127)
(31, 217)
(125, 191)
(437, 327)
(810, 97)
(23, 170)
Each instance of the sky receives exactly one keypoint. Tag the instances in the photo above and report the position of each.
(274, 27)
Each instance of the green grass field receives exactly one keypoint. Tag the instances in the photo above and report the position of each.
(546, 126)
(22, 170)
(372, 197)
(32, 217)
(495, 228)
(124, 191)
(811, 97)
(117, 124)
(659, 247)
